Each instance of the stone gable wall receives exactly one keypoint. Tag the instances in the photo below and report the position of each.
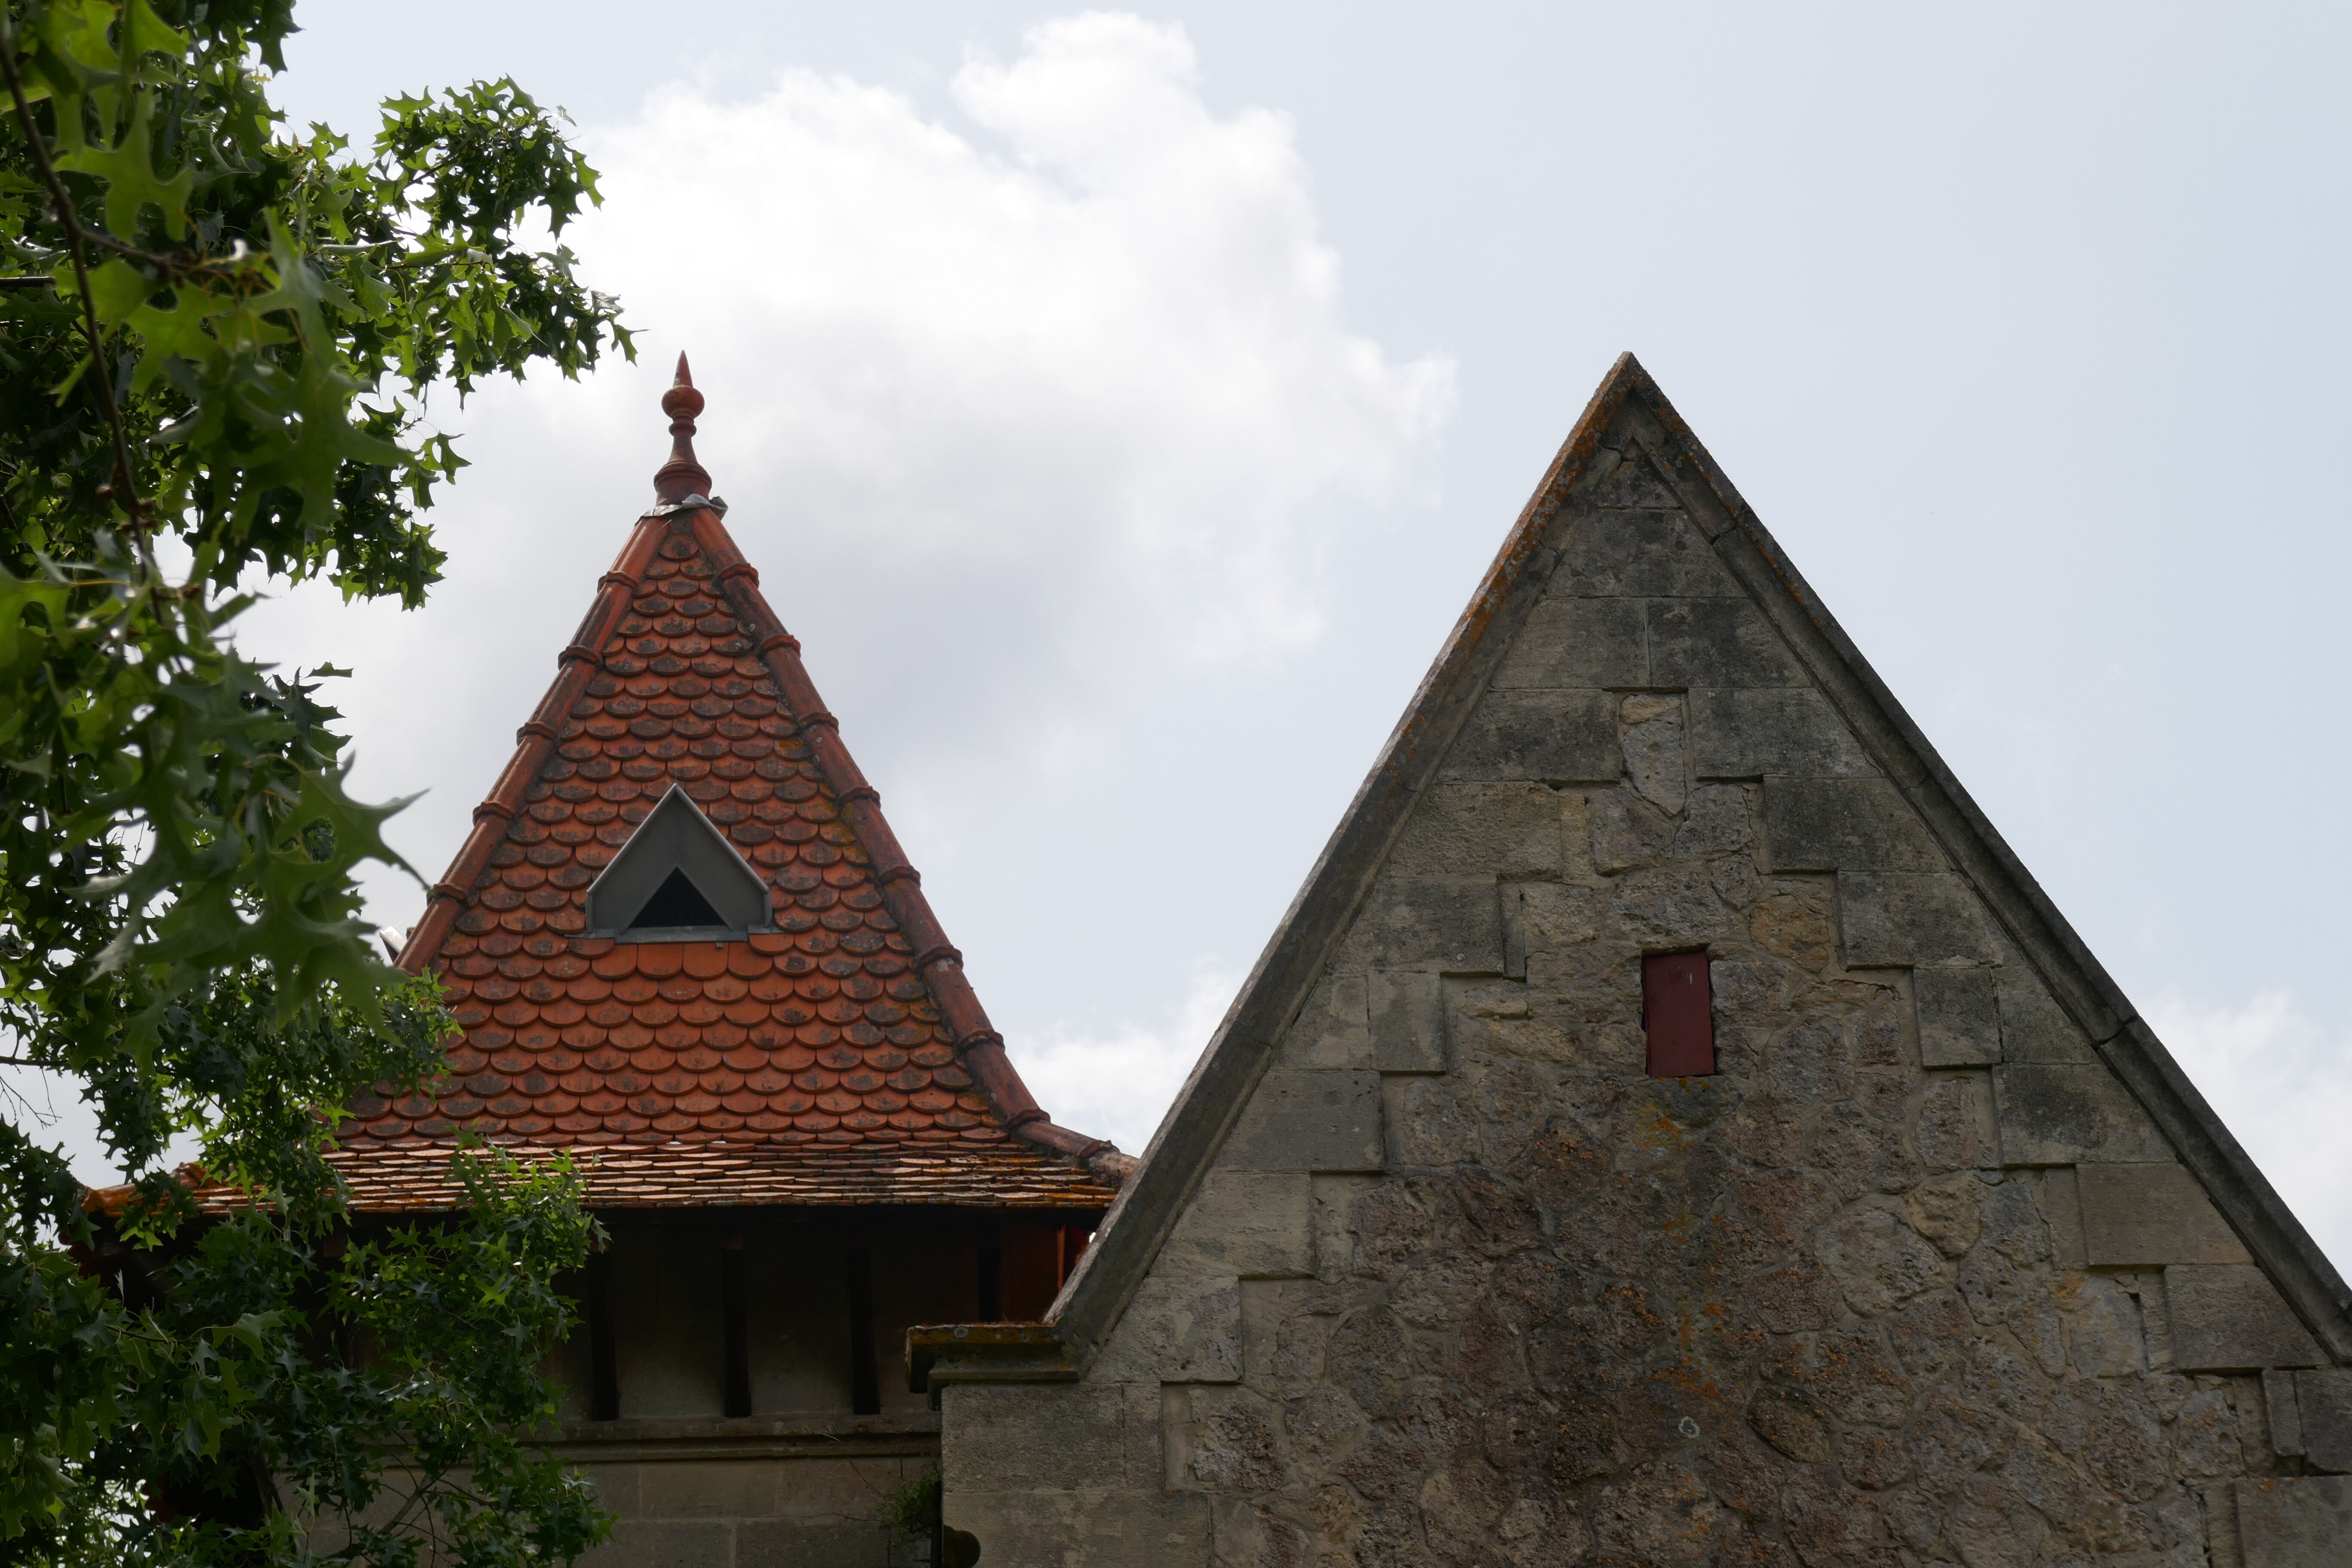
(1912, 1281)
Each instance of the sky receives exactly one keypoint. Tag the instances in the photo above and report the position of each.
(1121, 406)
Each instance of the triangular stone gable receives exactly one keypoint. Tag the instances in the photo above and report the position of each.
(1614, 646)
(1423, 1262)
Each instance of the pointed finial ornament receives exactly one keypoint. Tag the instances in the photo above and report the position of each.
(681, 476)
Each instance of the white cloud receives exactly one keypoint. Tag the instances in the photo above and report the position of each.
(1118, 1085)
(1088, 362)
(2279, 1080)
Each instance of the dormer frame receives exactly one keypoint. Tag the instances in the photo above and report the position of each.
(678, 836)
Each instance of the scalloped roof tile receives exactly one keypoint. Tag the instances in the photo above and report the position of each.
(840, 1058)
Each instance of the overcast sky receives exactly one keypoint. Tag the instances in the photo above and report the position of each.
(1121, 407)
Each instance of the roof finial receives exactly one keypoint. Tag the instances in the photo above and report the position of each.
(681, 476)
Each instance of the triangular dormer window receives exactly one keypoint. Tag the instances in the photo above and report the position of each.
(677, 880)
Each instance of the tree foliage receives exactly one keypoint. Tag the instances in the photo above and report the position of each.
(218, 337)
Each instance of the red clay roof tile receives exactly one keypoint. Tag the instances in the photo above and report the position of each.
(838, 1057)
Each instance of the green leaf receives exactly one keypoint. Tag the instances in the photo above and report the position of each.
(75, 60)
(128, 170)
(144, 32)
(116, 289)
(177, 334)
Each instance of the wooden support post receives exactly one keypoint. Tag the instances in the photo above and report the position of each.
(735, 1326)
(603, 1357)
(864, 1389)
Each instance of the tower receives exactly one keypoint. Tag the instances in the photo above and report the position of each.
(685, 947)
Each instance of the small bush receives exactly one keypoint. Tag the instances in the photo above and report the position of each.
(912, 1506)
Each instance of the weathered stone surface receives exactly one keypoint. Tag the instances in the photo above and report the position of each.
(1828, 1523)
(664, 1544)
(1714, 822)
(1793, 1423)
(2323, 1410)
(1252, 1225)
(1955, 1130)
(2283, 1412)
(1452, 924)
(1657, 758)
(1572, 644)
(1911, 918)
(791, 1543)
(2205, 1438)
(1023, 1439)
(1407, 1022)
(1556, 737)
(1625, 831)
(1177, 1329)
(2063, 1210)
(1746, 733)
(1878, 1260)
(1716, 643)
(2104, 1334)
(1481, 829)
(1125, 1529)
(1960, 1017)
(2151, 1213)
(1844, 825)
(1948, 1211)
(1661, 1514)
(616, 1488)
(1284, 1322)
(1626, 477)
(1332, 1030)
(1640, 554)
(2228, 1318)
(1672, 905)
(2066, 1115)
(2034, 1028)
(1310, 1122)
(1429, 1122)
(1544, 917)
(716, 1488)
(1223, 1438)
(2305, 1523)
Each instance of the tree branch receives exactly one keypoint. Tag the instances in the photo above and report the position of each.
(62, 208)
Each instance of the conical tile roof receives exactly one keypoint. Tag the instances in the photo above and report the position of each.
(834, 1054)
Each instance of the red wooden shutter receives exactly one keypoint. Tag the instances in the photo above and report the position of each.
(1678, 1013)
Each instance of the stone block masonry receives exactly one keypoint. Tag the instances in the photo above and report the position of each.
(1916, 1279)
(2137, 1216)
(2293, 1524)
(719, 1511)
(771, 1493)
